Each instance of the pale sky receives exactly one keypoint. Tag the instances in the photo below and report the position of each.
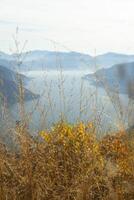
(76, 25)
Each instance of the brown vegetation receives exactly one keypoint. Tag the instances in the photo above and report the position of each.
(68, 163)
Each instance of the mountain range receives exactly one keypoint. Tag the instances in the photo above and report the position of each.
(116, 69)
(51, 60)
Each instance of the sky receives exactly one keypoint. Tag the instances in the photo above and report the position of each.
(86, 26)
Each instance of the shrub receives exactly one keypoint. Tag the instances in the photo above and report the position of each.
(67, 163)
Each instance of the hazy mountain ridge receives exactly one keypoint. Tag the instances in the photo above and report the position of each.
(110, 59)
(40, 60)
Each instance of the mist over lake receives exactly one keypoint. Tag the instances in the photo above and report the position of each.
(66, 94)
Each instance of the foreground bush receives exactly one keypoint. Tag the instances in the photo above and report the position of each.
(68, 163)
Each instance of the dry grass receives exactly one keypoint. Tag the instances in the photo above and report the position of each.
(67, 163)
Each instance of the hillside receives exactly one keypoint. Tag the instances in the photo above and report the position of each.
(8, 74)
(119, 76)
(9, 89)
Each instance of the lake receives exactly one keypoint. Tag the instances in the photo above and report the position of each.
(68, 96)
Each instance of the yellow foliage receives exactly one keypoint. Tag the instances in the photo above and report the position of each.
(68, 163)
